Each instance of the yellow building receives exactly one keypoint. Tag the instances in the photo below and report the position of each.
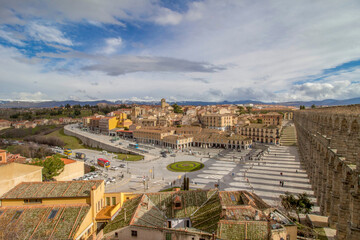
(72, 170)
(221, 122)
(154, 135)
(52, 210)
(272, 118)
(261, 132)
(14, 173)
(3, 157)
(107, 123)
(178, 141)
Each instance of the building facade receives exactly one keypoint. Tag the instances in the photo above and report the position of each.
(221, 122)
(14, 173)
(272, 118)
(261, 133)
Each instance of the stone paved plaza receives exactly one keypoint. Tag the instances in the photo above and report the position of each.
(231, 169)
(263, 176)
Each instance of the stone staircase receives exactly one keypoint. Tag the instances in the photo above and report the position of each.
(288, 136)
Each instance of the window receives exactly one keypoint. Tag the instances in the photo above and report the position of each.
(53, 213)
(32, 201)
(177, 204)
(116, 234)
(107, 201)
(187, 223)
(113, 200)
(133, 233)
(169, 224)
(202, 239)
(168, 236)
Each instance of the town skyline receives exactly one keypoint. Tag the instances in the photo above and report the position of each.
(189, 51)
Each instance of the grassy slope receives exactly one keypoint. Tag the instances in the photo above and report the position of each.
(130, 157)
(70, 141)
(75, 143)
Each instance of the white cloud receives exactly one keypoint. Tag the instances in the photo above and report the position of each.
(168, 17)
(47, 34)
(266, 48)
(9, 36)
(112, 45)
(26, 96)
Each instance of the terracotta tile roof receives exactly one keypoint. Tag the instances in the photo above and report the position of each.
(227, 213)
(44, 222)
(52, 189)
(67, 161)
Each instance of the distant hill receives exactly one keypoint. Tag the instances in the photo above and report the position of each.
(45, 104)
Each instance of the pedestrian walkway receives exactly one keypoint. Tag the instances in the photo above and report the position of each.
(277, 172)
(288, 136)
(212, 174)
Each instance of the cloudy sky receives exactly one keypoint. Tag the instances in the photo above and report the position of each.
(208, 50)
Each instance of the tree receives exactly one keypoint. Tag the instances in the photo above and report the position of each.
(249, 109)
(302, 107)
(304, 205)
(288, 201)
(67, 105)
(259, 120)
(77, 112)
(177, 108)
(300, 204)
(186, 183)
(241, 110)
(52, 166)
(313, 106)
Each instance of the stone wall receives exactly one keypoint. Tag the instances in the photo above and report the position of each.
(97, 143)
(329, 145)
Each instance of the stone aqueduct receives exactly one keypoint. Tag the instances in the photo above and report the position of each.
(329, 145)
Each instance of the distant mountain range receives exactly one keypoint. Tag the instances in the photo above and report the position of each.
(45, 104)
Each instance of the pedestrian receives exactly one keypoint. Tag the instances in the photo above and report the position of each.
(282, 183)
(281, 174)
(296, 171)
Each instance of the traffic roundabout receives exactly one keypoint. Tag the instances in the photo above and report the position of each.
(185, 166)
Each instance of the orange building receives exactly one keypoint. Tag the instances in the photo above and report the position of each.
(6, 157)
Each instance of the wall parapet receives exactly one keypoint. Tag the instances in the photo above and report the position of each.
(95, 143)
(329, 145)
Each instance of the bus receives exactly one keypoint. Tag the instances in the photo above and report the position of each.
(67, 151)
(103, 162)
(134, 145)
